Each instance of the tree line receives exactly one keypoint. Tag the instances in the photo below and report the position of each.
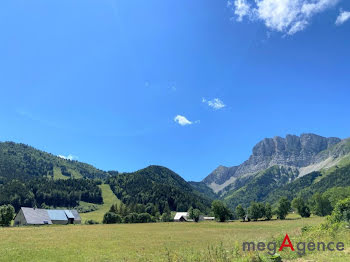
(45, 192)
(136, 213)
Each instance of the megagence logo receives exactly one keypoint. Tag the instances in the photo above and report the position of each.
(301, 247)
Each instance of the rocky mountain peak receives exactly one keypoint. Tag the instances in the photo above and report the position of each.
(291, 151)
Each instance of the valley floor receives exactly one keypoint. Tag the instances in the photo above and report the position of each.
(145, 242)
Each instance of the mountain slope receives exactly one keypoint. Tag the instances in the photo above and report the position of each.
(306, 153)
(157, 185)
(272, 184)
(19, 160)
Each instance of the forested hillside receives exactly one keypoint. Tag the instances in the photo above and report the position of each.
(266, 187)
(22, 161)
(159, 186)
(44, 192)
(28, 177)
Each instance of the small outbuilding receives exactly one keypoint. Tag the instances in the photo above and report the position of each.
(37, 216)
(206, 218)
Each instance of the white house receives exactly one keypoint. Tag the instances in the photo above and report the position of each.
(181, 217)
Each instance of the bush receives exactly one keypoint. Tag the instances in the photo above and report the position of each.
(86, 209)
(144, 218)
(91, 222)
(341, 211)
(166, 217)
(321, 205)
(111, 218)
(131, 218)
(7, 213)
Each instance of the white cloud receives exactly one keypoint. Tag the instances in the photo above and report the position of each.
(182, 120)
(242, 8)
(216, 103)
(342, 18)
(69, 157)
(285, 16)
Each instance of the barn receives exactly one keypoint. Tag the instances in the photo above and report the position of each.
(181, 217)
(37, 216)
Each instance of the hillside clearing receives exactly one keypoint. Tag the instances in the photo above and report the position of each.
(108, 198)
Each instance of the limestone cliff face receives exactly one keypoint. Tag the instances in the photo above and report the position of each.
(291, 151)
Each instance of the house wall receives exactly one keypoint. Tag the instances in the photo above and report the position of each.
(19, 219)
(59, 222)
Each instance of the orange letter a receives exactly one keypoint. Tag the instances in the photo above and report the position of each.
(286, 238)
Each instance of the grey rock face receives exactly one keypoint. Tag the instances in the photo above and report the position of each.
(292, 151)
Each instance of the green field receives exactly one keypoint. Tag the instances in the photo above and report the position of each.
(146, 242)
(108, 198)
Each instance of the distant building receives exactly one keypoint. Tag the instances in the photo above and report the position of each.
(184, 217)
(181, 217)
(205, 218)
(37, 216)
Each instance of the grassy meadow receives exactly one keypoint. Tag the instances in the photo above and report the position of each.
(108, 198)
(204, 241)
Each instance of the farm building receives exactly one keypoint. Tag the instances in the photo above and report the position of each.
(206, 218)
(181, 217)
(37, 216)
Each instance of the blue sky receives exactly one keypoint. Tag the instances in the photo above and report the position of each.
(104, 80)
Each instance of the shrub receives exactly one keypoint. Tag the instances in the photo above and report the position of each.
(321, 205)
(131, 218)
(111, 218)
(91, 222)
(7, 212)
(166, 217)
(341, 211)
(144, 218)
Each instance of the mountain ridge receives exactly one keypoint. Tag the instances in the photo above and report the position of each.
(307, 150)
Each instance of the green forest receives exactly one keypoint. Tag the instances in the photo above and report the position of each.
(159, 186)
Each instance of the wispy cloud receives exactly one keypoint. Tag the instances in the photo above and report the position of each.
(69, 157)
(285, 16)
(216, 103)
(183, 121)
(343, 17)
(36, 118)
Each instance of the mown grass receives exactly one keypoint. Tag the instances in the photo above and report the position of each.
(108, 198)
(57, 173)
(204, 241)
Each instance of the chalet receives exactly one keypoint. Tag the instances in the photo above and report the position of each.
(37, 216)
(181, 217)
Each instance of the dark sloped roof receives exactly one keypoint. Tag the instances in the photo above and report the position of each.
(35, 216)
